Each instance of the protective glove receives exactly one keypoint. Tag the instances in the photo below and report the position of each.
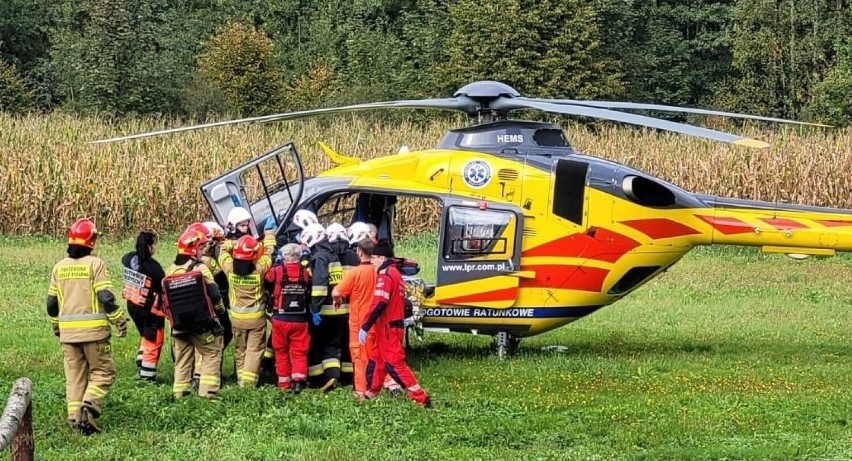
(216, 328)
(362, 336)
(270, 223)
(279, 257)
(122, 328)
(316, 319)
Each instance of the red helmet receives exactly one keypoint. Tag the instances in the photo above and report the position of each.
(83, 232)
(246, 248)
(191, 239)
(197, 226)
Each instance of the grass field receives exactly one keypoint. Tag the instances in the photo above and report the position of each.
(729, 355)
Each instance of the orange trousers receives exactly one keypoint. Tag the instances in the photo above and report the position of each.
(360, 356)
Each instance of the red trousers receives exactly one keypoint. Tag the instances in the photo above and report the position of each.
(290, 341)
(388, 358)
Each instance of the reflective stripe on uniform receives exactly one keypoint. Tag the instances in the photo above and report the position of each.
(315, 370)
(328, 309)
(247, 313)
(210, 380)
(180, 388)
(105, 285)
(83, 321)
(330, 363)
(319, 290)
(96, 391)
(116, 314)
(249, 377)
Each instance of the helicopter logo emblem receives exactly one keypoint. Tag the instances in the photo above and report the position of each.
(477, 173)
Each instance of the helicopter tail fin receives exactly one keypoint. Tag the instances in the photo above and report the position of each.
(337, 158)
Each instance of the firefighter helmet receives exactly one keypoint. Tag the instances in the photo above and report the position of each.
(191, 241)
(197, 226)
(304, 218)
(336, 231)
(358, 231)
(246, 248)
(238, 215)
(312, 235)
(216, 231)
(83, 232)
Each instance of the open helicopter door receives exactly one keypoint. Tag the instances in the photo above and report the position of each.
(269, 185)
(480, 250)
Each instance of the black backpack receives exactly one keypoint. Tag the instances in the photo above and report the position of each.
(186, 303)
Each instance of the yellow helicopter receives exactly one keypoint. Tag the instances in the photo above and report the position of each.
(532, 234)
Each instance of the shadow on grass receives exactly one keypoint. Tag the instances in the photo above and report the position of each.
(632, 347)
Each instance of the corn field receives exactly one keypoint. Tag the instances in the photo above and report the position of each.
(53, 177)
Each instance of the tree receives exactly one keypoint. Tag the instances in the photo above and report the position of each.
(672, 52)
(240, 61)
(547, 48)
(112, 56)
(14, 95)
(831, 101)
(781, 51)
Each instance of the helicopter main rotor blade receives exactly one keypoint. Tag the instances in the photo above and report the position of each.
(510, 104)
(463, 104)
(664, 108)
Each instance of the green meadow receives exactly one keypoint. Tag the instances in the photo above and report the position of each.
(729, 355)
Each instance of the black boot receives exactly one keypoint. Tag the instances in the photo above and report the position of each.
(298, 387)
(88, 423)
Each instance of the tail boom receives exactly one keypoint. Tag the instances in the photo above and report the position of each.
(781, 228)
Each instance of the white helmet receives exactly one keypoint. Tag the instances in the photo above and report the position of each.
(304, 218)
(216, 231)
(358, 231)
(336, 231)
(312, 234)
(238, 215)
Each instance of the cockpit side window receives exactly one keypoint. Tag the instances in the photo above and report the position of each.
(472, 232)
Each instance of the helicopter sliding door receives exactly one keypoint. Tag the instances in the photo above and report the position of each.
(268, 185)
(480, 253)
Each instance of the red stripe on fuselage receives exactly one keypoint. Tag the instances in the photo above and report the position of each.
(660, 228)
(496, 295)
(728, 226)
(783, 223)
(835, 223)
(563, 276)
(602, 245)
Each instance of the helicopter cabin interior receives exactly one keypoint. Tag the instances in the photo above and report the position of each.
(446, 235)
(455, 241)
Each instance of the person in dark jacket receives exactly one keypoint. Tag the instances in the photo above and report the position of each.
(143, 277)
(327, 322)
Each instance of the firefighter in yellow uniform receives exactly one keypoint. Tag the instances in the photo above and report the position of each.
(191, 303)
(246, 263)
(81, 307)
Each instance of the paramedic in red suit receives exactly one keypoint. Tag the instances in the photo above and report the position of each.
(386, 316)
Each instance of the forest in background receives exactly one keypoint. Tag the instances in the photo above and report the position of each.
(212, 58)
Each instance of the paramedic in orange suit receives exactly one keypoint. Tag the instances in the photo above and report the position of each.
(358, 285)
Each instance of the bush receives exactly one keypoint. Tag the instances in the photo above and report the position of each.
(240, 62)
(315, 89)
(15, 97)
